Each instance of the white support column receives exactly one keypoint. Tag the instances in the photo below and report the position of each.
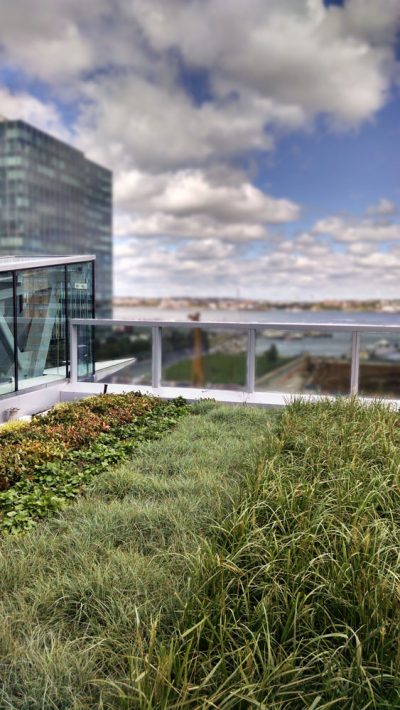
(73, 353)
(156, 356)
(355, 362)
(251, 360)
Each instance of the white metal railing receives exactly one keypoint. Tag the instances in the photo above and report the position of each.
(157, 326)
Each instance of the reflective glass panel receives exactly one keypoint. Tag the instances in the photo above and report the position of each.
(80, 299)
(7, 367)
(379, 365)
(41, 332)
(301, 362)
(123, 355)
(214, 359)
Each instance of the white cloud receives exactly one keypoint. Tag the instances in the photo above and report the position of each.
(370, 20)
(290, 269)
(208, 250)
(334, 60)
(267, 68)
(42, 114)
(129, 120)
(307, 266)
(202, 227)
(191, 192)
(270, 66)
(50, 40)
(383, 208)
(361, 248)
(222, 195)
(204, 204)
(381, 260)
(358, 230)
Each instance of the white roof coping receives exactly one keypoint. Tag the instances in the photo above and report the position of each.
(13, 263)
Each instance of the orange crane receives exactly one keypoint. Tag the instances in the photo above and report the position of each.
(197, 363)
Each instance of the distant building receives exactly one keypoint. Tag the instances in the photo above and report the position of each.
(53, 200)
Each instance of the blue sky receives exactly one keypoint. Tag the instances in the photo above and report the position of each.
(339, 172)
(254, 144)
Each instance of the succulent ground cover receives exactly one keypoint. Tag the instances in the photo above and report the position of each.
(48, 461)
(247, 559)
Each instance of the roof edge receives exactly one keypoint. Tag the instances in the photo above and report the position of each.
(17, 263)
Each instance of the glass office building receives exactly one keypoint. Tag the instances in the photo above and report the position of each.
(37, 298)
(53, 200)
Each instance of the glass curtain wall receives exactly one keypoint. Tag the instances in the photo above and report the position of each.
(35, 307)
(41, 327)
(7, 359)
(80, 304)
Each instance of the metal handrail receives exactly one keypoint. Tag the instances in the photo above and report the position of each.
(240, 325)
(250, 328)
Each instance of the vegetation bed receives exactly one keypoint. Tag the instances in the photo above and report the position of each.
(48, 461)
(245, 560)
(296, 596)
(87, 590)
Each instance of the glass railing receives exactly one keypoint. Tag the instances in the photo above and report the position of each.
(250, 359)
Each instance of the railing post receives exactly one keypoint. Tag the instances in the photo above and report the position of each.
(251, 360)
(355, 362)
(73, 353)
(156, 356)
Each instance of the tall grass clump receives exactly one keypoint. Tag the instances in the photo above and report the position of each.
(89, 590)
(295, 595)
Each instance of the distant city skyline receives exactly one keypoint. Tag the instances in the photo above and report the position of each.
(255, 145)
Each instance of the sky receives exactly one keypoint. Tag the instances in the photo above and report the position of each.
(255, 144)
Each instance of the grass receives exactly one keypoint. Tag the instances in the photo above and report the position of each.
(296, 598)
(222, 368)
(80, 594)
(243, 561)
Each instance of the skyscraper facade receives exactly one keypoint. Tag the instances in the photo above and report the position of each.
(53, 200)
